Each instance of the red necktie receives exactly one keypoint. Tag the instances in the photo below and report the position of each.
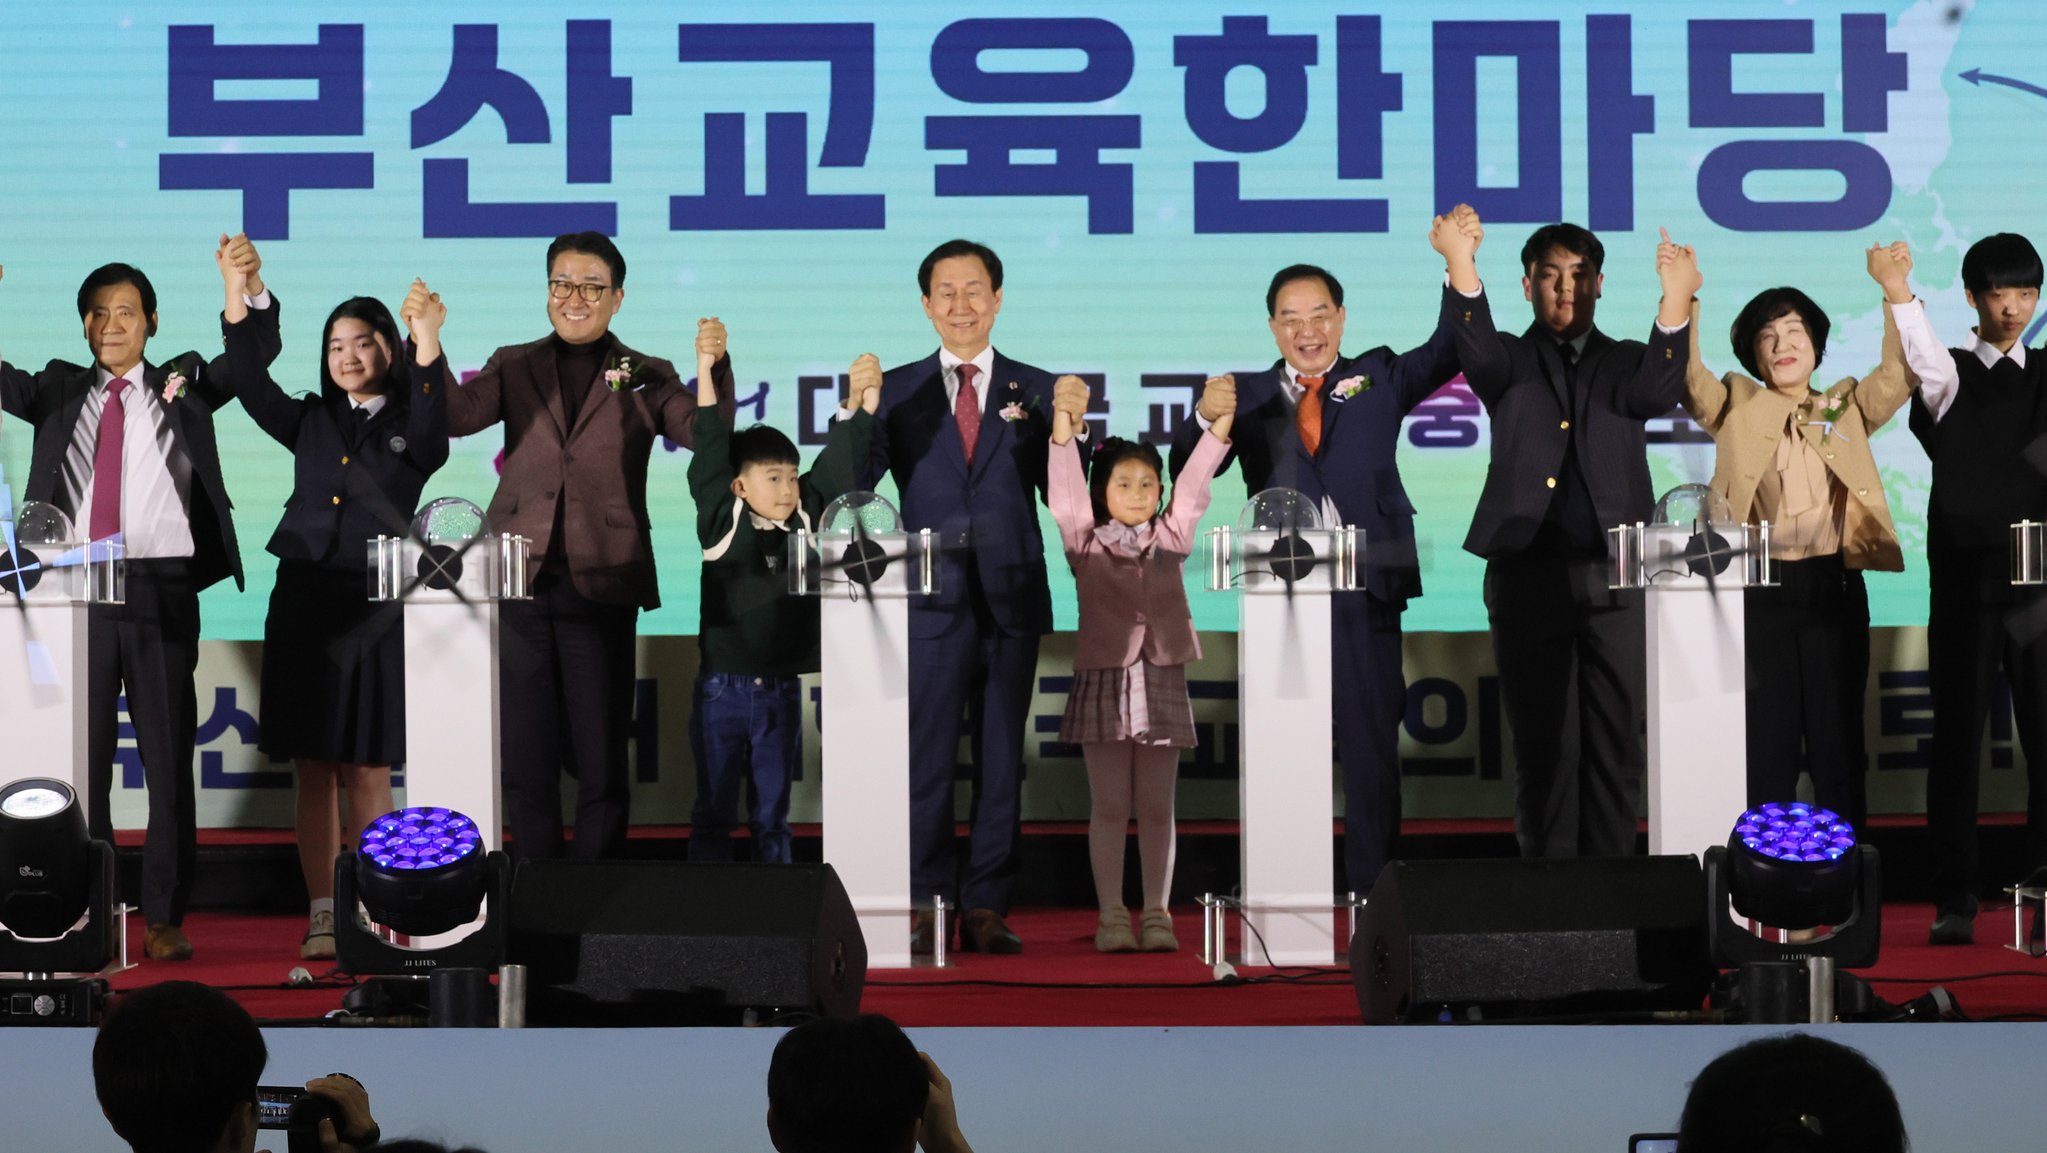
(966, 409)
(1308, 414)
(106, 463)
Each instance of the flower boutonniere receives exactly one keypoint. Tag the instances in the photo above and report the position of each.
(1017, 410)
(173, 386)
(621, 374)
(1831, 412)
(1350, 386)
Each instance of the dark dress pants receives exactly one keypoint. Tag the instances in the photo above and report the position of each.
(963, 664)
(1369, 697)
(149, 648)
(1969, 636)
(1807, 667)
(566, 695)
(1572, 665)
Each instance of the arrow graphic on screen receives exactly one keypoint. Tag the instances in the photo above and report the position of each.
(1979, 78)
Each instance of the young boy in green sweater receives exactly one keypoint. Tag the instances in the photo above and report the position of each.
(757, 640)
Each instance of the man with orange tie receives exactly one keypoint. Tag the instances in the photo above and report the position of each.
(1328, 425)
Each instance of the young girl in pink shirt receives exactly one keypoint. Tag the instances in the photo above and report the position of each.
(1128, 708)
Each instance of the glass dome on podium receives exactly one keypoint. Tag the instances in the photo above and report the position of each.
(859, 550)
(1280, 545)
(1691, 538)
(45, 558)
(450, 553)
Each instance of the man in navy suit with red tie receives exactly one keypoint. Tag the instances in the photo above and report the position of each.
(1328, 425)
(963, 432)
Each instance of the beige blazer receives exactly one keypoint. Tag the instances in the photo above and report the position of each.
(1747, 422)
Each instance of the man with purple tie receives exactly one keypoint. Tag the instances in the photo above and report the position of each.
(963, 432)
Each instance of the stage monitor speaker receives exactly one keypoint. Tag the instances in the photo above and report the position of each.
(665, 943)
(1505, 939)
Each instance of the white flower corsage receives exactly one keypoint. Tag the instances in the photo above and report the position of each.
(1351, 386)
(173, 386)
(1013, 411)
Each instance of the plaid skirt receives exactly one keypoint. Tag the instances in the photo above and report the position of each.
(1144, 702)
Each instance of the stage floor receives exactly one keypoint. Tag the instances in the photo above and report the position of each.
(1060, 980)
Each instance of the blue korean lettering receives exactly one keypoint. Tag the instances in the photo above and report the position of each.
(266, 180)
(1533, 44)
(1076, 141)
(1614, 115)
(1447, 419)
(228, 718)
(787, 202)
(475, 82)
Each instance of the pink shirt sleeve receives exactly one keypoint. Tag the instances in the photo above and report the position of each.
(1066, 492)
(1190, 496)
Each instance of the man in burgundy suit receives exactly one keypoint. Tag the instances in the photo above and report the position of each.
(574, 484)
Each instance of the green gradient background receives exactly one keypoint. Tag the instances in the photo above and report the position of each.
(82, 122)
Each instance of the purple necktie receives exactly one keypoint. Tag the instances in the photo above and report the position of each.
(966, 409)
(106, 463)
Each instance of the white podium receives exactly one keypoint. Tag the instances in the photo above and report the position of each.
(863, 568)
(1284, 564)
(449, 575)
(48, 580)
(1693, 562)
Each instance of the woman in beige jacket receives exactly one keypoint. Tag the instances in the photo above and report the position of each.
(1799, 457)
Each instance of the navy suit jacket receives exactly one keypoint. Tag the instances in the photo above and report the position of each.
(1354, 464)
(986, 515)
(1621, 383)
(51, 400)
(352, 479)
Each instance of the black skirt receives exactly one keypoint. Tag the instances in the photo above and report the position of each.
(333, 669)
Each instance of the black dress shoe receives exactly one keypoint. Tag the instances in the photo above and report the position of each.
(982, 931)
(923, 933)
(1952, 929)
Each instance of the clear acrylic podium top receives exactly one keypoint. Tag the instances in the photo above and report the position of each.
(1280, 546)
(1691, 541)
(2028, 553)
(859, 551)
(45, 561)
(451, 555)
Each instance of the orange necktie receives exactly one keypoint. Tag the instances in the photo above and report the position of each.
(1308, 414)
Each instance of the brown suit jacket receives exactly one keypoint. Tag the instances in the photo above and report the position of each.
(1747, 422)
(595, 472)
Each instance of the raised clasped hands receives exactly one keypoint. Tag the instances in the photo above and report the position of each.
(1890, 265)
(1069, 407)
(863, 383)
(710, 349)
(422, 314)
(1677, 268)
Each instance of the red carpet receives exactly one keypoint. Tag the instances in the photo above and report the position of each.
(1061, 981)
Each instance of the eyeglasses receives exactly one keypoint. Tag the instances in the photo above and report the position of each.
(560, 290)
(1296, 323)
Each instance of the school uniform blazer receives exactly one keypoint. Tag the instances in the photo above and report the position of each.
(595, 472)
(1520, 379)
(1132, 606)
(51, 400)
(1355, 463)
(352, 479)
(985, 515)
(1747, 422)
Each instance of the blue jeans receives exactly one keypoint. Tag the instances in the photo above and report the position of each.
(744, 726)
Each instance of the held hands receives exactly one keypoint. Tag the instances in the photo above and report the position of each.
(863, 384)
(1218, 405)
(1677, 267)
(422, 314)
(710, 348)
(240, 251)
(233, 280)
(1890, 265)
(1457, 234)
(1069, 407)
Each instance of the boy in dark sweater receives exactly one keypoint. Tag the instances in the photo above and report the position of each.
(1982, 418)
(756, 640)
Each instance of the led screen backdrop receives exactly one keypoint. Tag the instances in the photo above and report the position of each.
(1142, 168)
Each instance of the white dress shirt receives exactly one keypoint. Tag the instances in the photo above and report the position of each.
(1929, 359)
(156, 475)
